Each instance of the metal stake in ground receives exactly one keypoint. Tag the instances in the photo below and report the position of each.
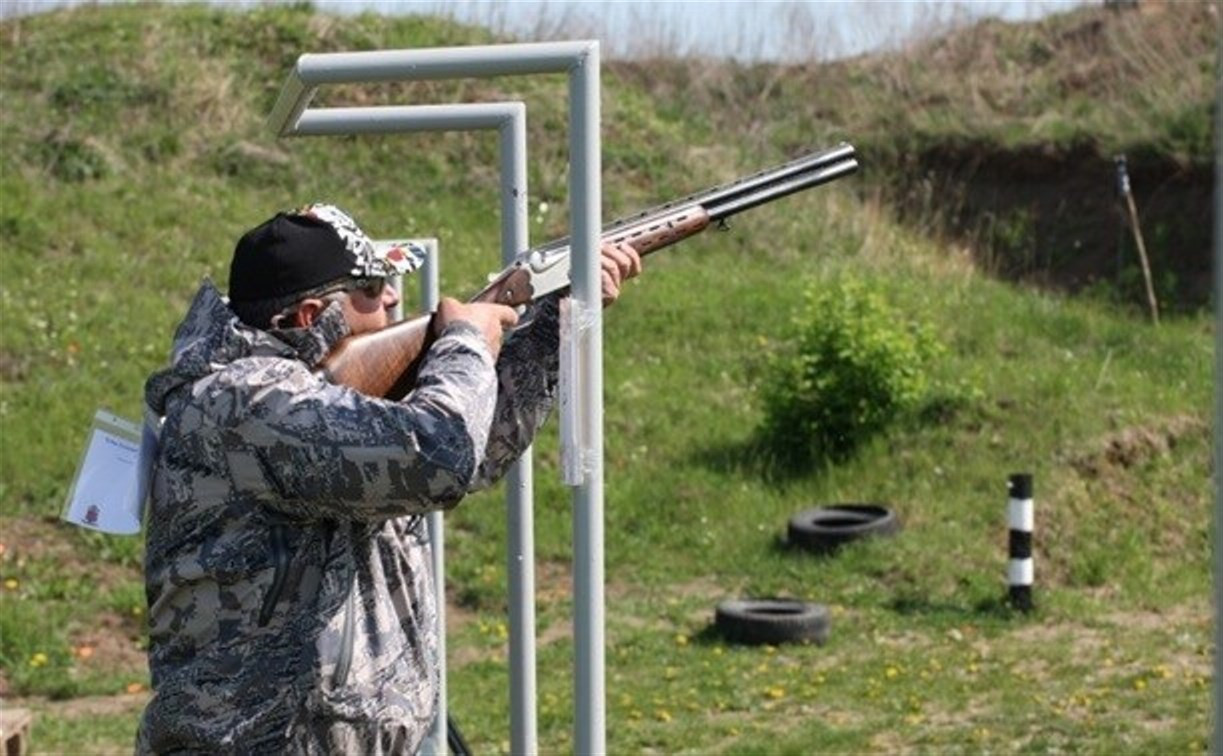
(1123, 188)
(1019, 515)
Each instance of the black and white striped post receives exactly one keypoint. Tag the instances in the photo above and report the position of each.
(1020, 518)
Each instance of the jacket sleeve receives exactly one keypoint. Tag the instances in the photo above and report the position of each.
(526, 388)
(317, 450)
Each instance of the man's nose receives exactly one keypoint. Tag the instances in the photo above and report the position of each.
(390, 296)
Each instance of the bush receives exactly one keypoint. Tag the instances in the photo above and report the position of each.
(851, 366)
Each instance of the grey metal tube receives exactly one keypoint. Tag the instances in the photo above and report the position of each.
(430, 295)
(520, 496)
(435, 742)
(586, 201)
(293, 99)
(314, 69)
(407, 119)
(439, 62)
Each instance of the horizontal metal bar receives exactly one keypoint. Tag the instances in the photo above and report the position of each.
(476, 61)
(442, 62)
(406, 118)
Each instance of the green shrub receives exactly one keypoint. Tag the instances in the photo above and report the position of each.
(851, 366)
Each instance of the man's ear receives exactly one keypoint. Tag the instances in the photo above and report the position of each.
(307, 310)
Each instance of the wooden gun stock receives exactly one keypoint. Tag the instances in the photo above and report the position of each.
(386, 362)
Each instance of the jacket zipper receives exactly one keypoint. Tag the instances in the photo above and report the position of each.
(280, 558)
(347, 637)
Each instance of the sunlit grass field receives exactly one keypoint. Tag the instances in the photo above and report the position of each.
(134, 153)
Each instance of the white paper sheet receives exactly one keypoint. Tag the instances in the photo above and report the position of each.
(112, 477)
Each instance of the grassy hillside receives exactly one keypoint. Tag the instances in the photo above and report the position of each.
(1002, 136)
(133, 152)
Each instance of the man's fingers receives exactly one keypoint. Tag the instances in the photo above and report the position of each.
(508, 316)
(634, 260)
(624, 258)
(611, 288)
(611, 269)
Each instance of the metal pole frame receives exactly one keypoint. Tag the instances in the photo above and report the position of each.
(509, 119)
(429, 297)
(580, 60)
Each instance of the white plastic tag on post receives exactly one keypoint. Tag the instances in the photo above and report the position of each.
(577, 459)
(112, 479)
(572, 472)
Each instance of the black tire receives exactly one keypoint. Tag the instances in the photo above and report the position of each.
(772, 621)
(825, 529)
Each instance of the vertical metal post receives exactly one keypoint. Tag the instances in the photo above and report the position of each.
(429, 298)
(520, 495)
(586, 205)
(435, 742)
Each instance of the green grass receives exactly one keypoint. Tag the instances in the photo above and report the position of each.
(127, 171)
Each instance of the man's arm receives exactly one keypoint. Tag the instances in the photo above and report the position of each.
(317, 450)
(526, 389)
(527, 368)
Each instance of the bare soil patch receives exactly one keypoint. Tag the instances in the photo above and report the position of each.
(111, 642)
(1136, 445)
(49, 539)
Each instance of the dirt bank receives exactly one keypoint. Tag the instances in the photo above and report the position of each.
(1052, 216)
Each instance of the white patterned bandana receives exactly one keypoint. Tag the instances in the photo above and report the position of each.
(370, 262)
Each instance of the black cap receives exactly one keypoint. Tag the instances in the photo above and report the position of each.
(301, 250)
(285, 255)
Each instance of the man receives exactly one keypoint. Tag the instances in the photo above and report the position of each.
(290, 598)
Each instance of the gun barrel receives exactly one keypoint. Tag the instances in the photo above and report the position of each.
(749, 185)
(727, 194)
(775, 190)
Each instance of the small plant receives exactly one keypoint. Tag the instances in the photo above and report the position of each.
(852, 365)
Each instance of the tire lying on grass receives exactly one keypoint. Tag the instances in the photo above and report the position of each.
(825, 529)
(772, 621)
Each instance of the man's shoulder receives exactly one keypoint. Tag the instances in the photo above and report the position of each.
(234, 390)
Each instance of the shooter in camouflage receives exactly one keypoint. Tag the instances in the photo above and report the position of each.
(290, 595)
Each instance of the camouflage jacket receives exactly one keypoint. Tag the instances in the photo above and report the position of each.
(287, 570)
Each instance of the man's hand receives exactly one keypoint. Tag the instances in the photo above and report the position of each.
(620, 263)
(491, 319)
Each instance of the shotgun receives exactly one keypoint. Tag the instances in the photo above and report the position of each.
(385, 362)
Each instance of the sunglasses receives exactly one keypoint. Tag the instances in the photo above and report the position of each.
(370, 287)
